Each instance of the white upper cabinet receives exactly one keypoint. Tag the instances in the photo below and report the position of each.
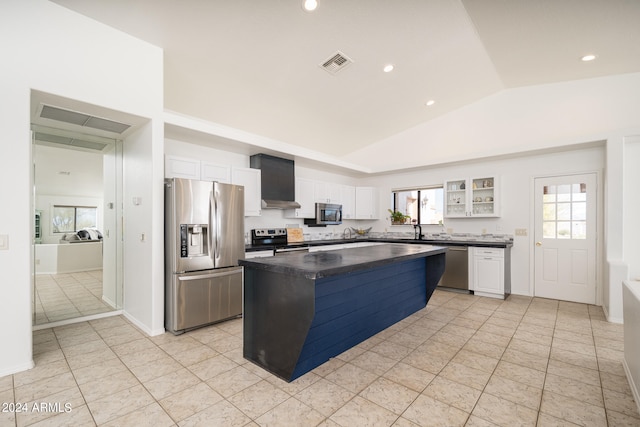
(366, 203)
(215, 172)
(472, 197)
(180, 167)
(327, 192)
(305, 195)
(348, 200)
(250, 179)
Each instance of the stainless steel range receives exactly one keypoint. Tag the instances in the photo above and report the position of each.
(277, 239)
(269, 237)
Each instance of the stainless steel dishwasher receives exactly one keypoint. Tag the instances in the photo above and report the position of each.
(456, 270)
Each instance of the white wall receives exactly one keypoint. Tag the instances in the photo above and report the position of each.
(514, 120)
(100, 66)
(144, 232)
(631, 206)
(516, 199)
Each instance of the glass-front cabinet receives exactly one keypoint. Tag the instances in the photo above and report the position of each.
(472, 197)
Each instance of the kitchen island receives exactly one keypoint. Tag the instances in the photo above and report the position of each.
(301, 309)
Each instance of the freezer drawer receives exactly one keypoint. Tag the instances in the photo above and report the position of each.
(204, 297)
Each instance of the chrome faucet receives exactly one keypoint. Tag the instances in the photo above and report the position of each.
(417, 234)
(347, 232)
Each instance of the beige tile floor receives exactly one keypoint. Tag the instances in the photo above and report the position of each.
(68, 295)
(463, 360)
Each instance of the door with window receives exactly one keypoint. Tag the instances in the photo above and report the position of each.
(565, 238)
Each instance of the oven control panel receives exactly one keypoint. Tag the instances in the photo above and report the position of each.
(268, 236)
(269, 232)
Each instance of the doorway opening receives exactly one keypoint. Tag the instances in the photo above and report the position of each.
(77, 160)
(75, 256)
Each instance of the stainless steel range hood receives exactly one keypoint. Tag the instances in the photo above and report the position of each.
(278, 181)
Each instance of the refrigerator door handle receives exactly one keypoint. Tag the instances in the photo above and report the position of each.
(210, 276)
(212, 248)
(218, 227)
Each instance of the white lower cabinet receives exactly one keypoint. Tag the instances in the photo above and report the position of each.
(321, 248)
(258, 254)
(488, 273)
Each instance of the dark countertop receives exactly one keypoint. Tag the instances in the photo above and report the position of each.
(316, 265)
(444, 242)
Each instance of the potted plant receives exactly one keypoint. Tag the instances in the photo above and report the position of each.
(398, 218)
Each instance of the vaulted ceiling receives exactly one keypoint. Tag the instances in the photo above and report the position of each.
(256, 65)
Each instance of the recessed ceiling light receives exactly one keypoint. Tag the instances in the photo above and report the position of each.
(588, 58)
(310, 5)
(430, 102)
(388, 68)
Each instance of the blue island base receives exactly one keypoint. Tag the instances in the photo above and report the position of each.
(293, 323)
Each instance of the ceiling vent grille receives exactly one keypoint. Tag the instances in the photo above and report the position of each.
(81, 119)
(336, 62)
(71, 142)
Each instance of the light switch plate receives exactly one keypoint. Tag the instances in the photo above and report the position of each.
(4, 242)
(521, 231)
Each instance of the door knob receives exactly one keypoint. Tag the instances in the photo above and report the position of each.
(538, 243)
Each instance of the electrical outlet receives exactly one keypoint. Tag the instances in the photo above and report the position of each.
(449, 230)
(4, 242)
(484, 231)
(521, 231)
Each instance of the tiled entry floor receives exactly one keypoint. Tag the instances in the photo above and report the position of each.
(68, 295)
(463, 360)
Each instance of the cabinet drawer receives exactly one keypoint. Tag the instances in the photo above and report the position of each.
(489, 252)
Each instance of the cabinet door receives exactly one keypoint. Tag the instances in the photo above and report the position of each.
(214, 172)
(258, 254)
(484, 197)
(320, 192)
(348, 200)
(180, 167)
(335, 194)
(366, 203)
(250, 179)
(324, 248)
(304, 196)
(474, 197)
(488, 271)
(455, 196)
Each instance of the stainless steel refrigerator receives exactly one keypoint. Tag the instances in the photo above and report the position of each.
(204, 238)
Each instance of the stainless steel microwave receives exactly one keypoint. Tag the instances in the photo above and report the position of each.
(326, 214)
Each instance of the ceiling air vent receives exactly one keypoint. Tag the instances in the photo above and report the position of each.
(69, 141)
(81, 119)
(336, 62)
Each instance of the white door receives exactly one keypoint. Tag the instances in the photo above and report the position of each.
(565, 238)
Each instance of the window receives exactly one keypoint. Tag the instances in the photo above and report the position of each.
(68, 219)
(424, 205)
(564, 210)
